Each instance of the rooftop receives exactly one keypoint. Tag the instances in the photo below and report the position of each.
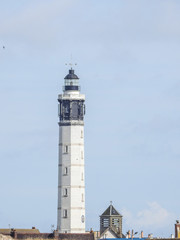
(111, 211)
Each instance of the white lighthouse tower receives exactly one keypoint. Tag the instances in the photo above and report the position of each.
(71, 185)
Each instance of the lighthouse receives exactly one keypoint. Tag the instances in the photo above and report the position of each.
(71, 184)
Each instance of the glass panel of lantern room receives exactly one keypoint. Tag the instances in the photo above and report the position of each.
(71, 82)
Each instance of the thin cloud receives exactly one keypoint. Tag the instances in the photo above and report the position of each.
(36, 20)
(152, 217)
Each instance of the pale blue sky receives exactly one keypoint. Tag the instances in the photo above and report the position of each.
(128, 55)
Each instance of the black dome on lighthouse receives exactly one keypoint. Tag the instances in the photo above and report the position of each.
(71, 75)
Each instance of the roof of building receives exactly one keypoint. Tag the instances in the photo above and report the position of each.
(76, 236)
(111, 211)
(134, 238)
(71, 75)
(110, 231)
(30, 233)
(8, 230)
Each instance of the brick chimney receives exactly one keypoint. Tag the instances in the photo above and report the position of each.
(177, 229)
(13, 233)
(55, 234)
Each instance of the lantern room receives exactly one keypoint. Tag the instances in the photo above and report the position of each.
(71, 82)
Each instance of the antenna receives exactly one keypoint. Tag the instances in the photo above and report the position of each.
(52, 227)
(71, 63)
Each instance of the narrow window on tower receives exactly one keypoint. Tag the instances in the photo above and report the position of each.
(65, 193)
(59, 111)
(115, 221)
(82, 197)
(81, 133)
(66, 149)
(105, 222)
(65, 171)
(81, 154)
(65, 213)
(82, 176)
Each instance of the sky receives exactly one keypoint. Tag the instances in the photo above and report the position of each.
(127, 54)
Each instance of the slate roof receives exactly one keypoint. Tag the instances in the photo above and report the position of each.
(111, 211)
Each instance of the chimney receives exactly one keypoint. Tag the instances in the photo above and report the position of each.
(177, 229)
(142, 235)
(129, 234)
(150, 236)
(55, 234)
(33, 228)
(13, 233)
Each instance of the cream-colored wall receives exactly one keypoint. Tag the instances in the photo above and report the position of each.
(108, 234)
(73, 137)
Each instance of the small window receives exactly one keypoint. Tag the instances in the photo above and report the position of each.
(65, 171)
(105, 222)
(82, 197)
(66, 149)
(81, 154)
(82, 177)
(65, 213)
(81, 133)
(82, 218)
(65, 192)
(115, 221)
(59, 109)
